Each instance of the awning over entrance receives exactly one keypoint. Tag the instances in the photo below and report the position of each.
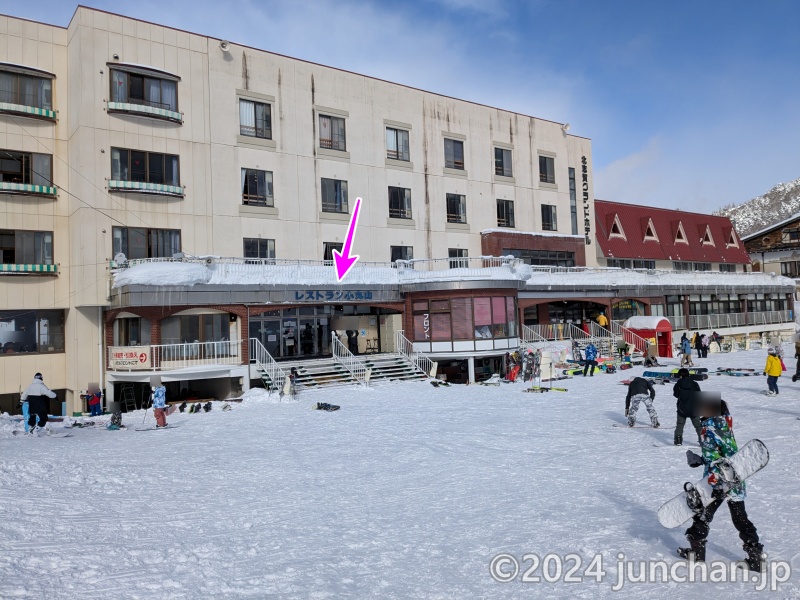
(207, 372)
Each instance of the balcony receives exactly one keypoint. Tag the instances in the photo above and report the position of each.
(144, 108)
(702, 322)
(33, 269)
(26, 105)
(144, 187)
(169, 357)
(28, 189)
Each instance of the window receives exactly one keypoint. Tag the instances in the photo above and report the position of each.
(334, 196)
(456, 208)
(397, 144)
(680, 234)
(701, 266)
(650, 232)
(787, 236)
(644, 264)
(26, 90)
(502, 162)
(627, 263)
(331, 133)
(399, 203)
(255, 119)
(187, 329)
(26, 247)
(402, 253)
(505, 213)
(549, 222)
(547, 169)
(136, 242)
(26, 167)
(616, 229)
(790, 269)
(681, 266)
(132, 331)
(28, 331)
(257, 188)
(552, 258)
(458, 258)
(147, 167)
(573, 201)
(464, 319)
(728, 268)
(453, 154)
(328, 248)
(258, 248)
(708, 239)
(132, 88)
(732, 240)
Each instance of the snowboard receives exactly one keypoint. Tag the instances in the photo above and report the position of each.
(52, 435)
(733, 369)
(626, 426)
(750, 459)
(545, 389)
(673, 375)
(737, 374)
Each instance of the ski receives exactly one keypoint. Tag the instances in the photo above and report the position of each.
(626, 426)
(52, 435)
(155, 428)
(546, 389)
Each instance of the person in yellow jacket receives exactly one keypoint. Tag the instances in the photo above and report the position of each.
(602, 320)
(773, 370)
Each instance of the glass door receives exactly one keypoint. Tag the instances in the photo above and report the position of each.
(289, 337)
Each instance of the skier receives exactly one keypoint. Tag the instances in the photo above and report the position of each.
(684, 391)
(773, 370)
(602, 320)
(35, 395)
(640, 390)
(717, 441)
(160, 406)
(591, 360)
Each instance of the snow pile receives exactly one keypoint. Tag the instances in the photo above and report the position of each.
(642, 322)
(406, 492)
(163, 274)
(255, 395)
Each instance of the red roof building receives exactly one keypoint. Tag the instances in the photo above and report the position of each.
(633, 236)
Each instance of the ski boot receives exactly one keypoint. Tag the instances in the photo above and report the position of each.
(656, 424)
(754, 557)
(696, 550)
(182, 407)
(207, 406)
(679, 441)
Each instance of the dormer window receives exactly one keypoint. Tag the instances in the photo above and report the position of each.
(144, 91)
(680, 235)
(732, 241)
(616, 229)
(26, 91)
(650, 232)
(707, 239)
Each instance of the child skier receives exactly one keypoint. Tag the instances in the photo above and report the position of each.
(160, 405)
(640, 390)
(773, 370)
(718, 442)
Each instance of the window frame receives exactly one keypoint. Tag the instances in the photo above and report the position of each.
(332, 143)
(542, 258)
(27, 170)
(549, 223)
(459, 257)
(267, 200)
(266, 129)
(547, 169)
(461, 215)
(407, 253)
(128, 169)
(506, 207)
(503, 166)
(114, 94)
(343, 204)
(33, 319)
(266, 244)
(396, 134)
(328, 248)
(454, 162)
(37, 242)
(43, 97)
(151, 243)
(403, 210)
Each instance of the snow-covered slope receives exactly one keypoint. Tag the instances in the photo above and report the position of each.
(780, 203)
(406, 492)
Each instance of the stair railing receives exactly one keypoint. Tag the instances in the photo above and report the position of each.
(268, 366)
(405, 348)
(349, 362)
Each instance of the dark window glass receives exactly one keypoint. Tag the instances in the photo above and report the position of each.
(334, 196)
(332, 133)
(138, 166)
(328, 248)
(551, 258)
(547, 170)
(399, 203)
(397, 144)
(502, 162)
(135, 242)
(255, 119)
(454, 154)
(573, 201)
(31, 331)
(402, 253)
(456, 208)
(145, 167)
(549, 222)
(26, 247)
(26, 167)
(259, 248)
(458, 257)
(155, 165)
(505, 213)
(257, 188)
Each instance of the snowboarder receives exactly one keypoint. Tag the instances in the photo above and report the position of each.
(622, 349)
(591, 360)
(602, 320)
(773, 370)
(640, 390)
(686, 352)
(684, 391)
(35, 395)
(159, 395)
(717, 441)
(116, 422)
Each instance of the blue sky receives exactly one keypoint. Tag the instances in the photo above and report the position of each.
(689, 104)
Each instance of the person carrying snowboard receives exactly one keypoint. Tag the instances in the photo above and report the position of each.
(35, 395)
(773, 370)
(684, 391)
(590, 362)
(160, 406)
(640, 390)
(717, 441)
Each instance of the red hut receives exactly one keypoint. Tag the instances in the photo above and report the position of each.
(656, 330)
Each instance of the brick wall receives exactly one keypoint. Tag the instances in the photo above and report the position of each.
(492, 244)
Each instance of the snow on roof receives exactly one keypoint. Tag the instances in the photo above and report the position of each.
(644, 322)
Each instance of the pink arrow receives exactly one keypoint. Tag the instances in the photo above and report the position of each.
(344, 262)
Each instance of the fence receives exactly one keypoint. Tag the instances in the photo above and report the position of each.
(348, 360)
(162, 357)
(273, 376)
(405, 347)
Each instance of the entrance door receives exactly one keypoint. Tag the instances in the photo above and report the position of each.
(308, 337)
(268, 331)
(289, 337)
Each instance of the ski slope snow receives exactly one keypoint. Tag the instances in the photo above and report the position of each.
(408, 491)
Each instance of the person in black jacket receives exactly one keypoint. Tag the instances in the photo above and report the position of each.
(684, 391)
(640, 390)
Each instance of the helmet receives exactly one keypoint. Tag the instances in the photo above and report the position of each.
(38, 376)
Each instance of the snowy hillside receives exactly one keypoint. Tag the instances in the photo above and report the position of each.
(406, 492)
(780, 203)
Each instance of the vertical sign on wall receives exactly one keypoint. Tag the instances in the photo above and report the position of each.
(587, 222)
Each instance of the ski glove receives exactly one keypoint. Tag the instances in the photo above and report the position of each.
(694, 460)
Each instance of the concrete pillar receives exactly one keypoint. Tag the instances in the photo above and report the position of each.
(471, 369)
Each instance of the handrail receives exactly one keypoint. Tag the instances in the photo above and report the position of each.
(164, 357)
(405, 348)
(267, 365)
(631, 338)
(348, 360)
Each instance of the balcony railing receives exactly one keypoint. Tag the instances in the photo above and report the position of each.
(258, 200)
(505, 222)
(456, 218)
(25, 104)
(145, 187)
(27, 189)
(399, 213)
(700, 322)
(145, 108)
(332, 144)
(165, 357)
